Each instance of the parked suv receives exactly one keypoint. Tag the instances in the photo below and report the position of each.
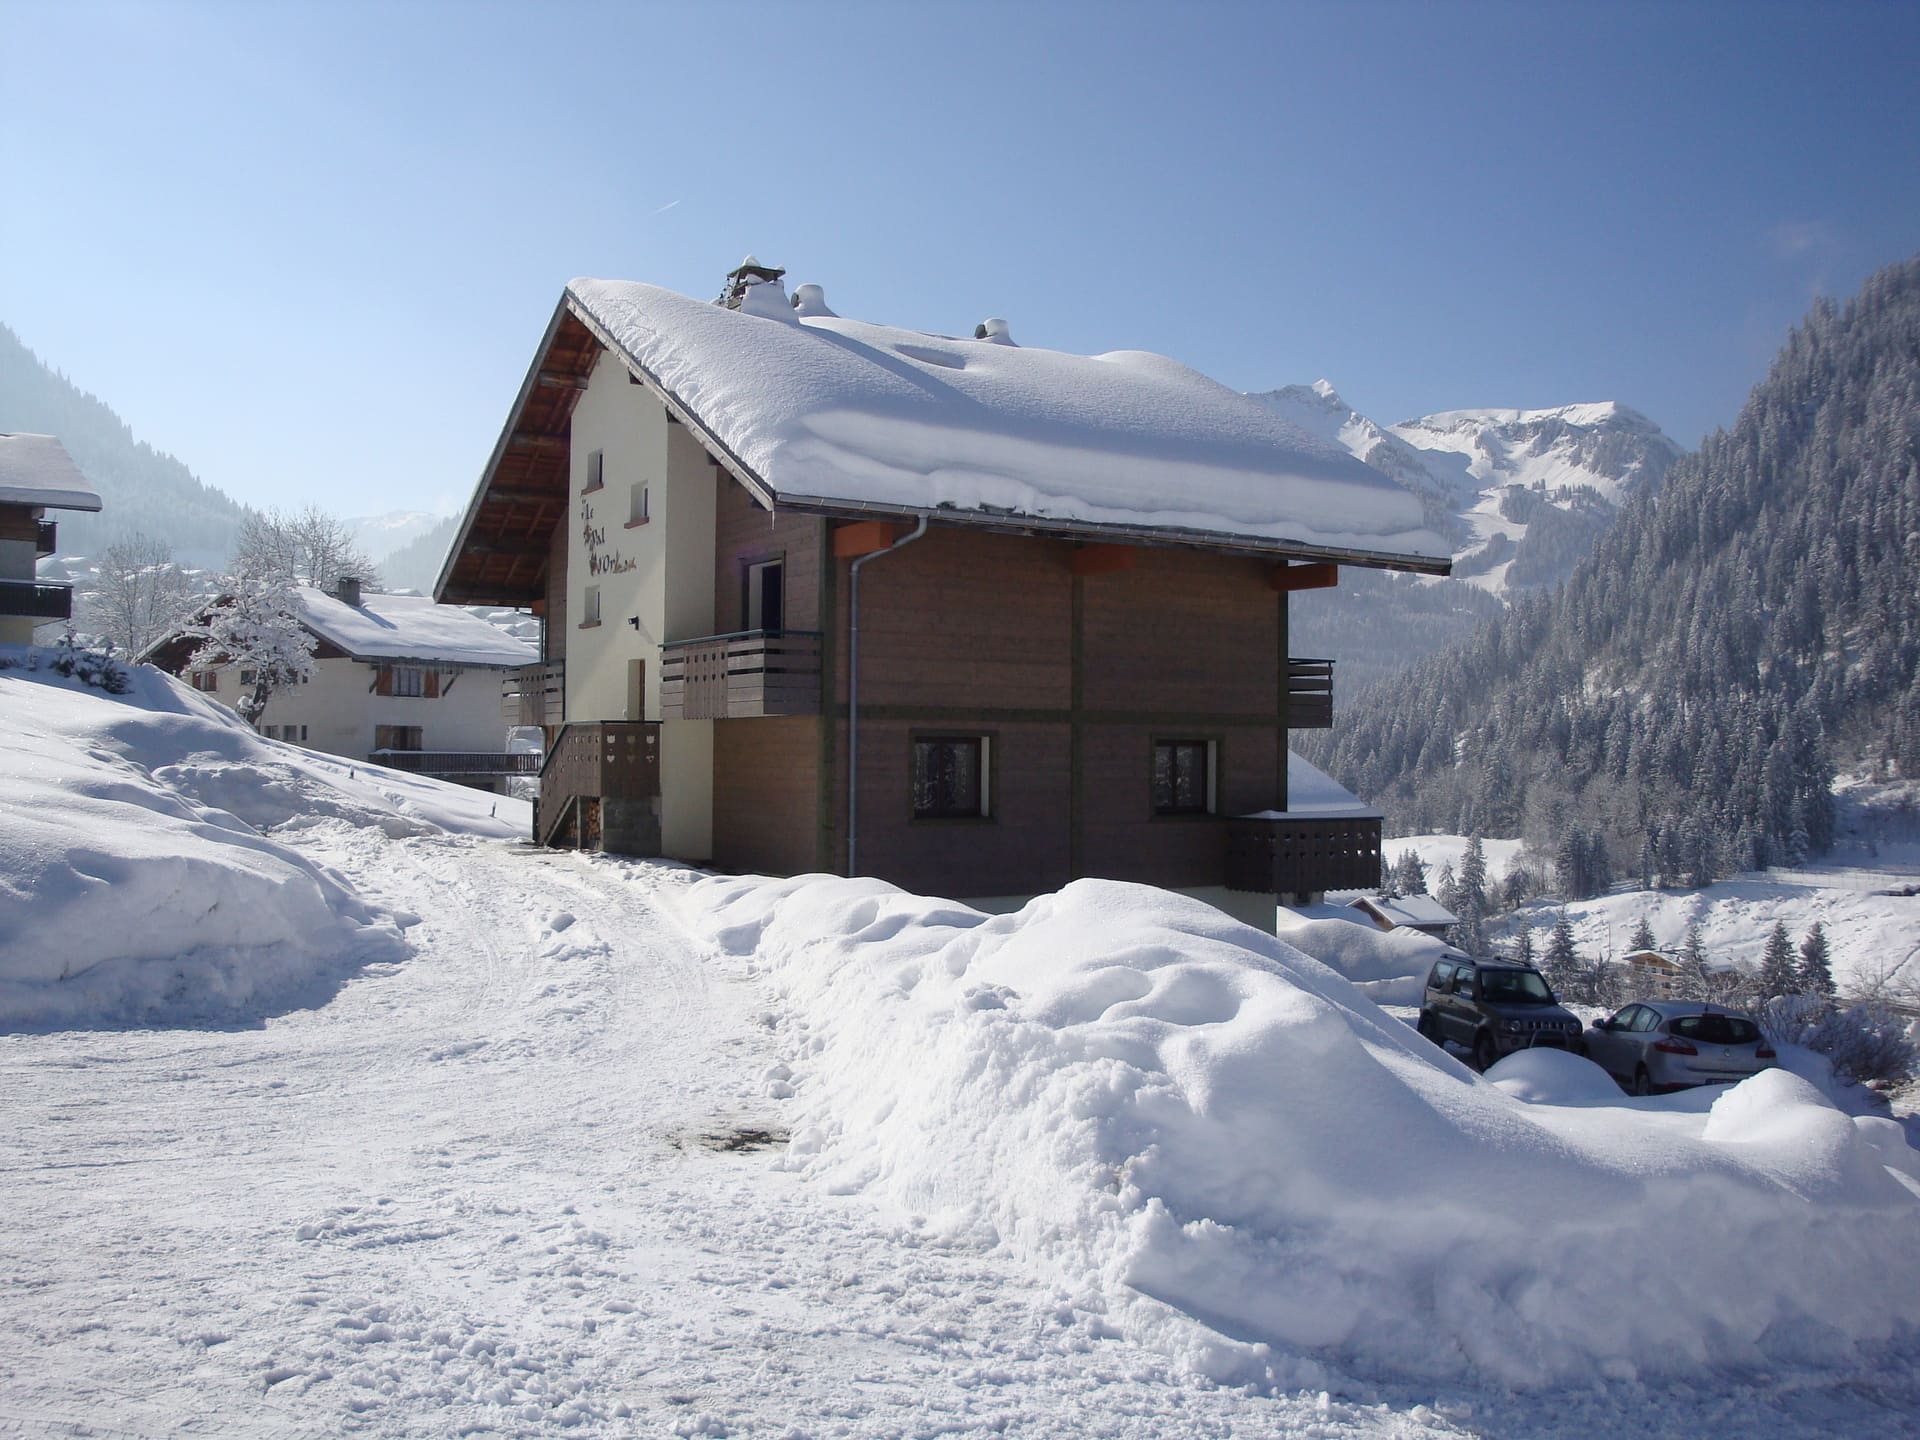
(1492, 1008)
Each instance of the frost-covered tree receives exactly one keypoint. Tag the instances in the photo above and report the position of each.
(1693, 982)
(1778, 975)
(1816, 963)
(309, 547)
(139, 594)
(1409, 874)
(255, 626)
(1642, 937)
(1523, 946)
(1561, 962)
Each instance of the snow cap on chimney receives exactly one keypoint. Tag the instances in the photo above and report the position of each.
(745, 276)
(994, 331)
(811, 300)
(347, 590)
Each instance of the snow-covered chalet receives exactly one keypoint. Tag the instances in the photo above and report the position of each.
(397, 680)
(36, 475)
(976, 618)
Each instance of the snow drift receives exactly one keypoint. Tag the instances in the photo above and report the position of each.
(1221, 1144)
(138, 878)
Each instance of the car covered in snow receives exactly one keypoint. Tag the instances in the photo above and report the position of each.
(1492, 1008)
(1654, 1045)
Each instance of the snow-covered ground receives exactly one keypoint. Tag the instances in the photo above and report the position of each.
(521, 1169)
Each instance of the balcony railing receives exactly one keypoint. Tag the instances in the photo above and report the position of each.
(750, 673)
(1309, 694)
(600, 788)
(459, 762)
(535, 694)
(1303, 855)
(36, 600)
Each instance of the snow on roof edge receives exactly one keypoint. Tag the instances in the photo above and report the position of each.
(36, 470)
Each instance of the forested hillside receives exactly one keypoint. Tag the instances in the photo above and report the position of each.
(1678, 709)
(144, 490)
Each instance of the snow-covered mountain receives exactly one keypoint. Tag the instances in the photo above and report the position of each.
(381, 535)
(1523, 494)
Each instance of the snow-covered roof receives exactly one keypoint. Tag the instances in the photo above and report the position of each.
(1313, 794)
(36, 470)
(1416, 910)
(827, 412)
(410, 627)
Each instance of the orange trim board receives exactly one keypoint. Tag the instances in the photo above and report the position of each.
(1322, 575)
(864, 537)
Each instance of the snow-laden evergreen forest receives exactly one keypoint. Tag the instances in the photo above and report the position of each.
(1680, 708)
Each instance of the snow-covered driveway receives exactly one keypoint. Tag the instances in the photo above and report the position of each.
(488, 1190)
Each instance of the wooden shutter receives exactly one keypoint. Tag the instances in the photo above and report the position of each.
(431, 686)
(384, 686)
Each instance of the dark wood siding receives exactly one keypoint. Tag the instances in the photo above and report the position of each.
(553, 630)
(1072, 678)
(744, 534)
(765, 790)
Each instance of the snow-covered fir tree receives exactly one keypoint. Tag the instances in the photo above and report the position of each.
(1815, 971)
(1778, 974)
(1642, 937)
(1561, 963)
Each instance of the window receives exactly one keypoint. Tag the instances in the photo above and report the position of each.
(766, 596)
(595, 471)
(246, 677)
(1183, 777)
(590, 607)
(949, 777)
(206, 680)
(396, 737)
(637, 512)
(409, 681)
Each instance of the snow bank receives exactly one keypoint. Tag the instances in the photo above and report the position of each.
(1389, 967)
(138, 880)
(1219, 1143)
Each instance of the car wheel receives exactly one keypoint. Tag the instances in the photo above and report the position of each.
(1483, 1052)
(1428, 1027)
(1642, 1082)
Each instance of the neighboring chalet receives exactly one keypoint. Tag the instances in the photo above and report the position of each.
(1407, 912)
(36, 475)
(397, 680)
(1650, 975)
(822, 595)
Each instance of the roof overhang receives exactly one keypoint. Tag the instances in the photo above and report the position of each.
(499, 555)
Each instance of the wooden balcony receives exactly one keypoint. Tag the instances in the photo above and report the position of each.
(739, 676)
(1303, 854)
(459, 762)
(535, 694)
(600, 788)
(36, 600)
(1309, 694)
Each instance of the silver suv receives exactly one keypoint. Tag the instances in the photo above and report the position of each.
(1492, 1008)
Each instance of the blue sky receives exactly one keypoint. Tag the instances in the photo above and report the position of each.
(309, 249)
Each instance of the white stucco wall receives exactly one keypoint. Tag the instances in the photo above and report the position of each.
(659, 574)
(341, 713)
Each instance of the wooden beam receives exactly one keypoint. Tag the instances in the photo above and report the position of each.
(523, 495)
(864, 537)
(522, 441)
(555, 380)
(1321, 576)
(1101, 559)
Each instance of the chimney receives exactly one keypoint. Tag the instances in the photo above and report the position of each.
(748, 273)
(347, 590)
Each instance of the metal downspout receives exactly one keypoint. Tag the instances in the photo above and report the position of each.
(853, 691)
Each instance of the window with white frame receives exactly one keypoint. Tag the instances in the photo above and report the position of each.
(590, 607)
(637, 504)
(596, 470)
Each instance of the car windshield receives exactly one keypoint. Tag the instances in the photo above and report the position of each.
(1716, 1029)
(1516, 987)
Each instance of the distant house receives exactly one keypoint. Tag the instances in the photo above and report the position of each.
(1649, 974)
(396, 679)
(36, 475)
(1407, 912)
(971, 617)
